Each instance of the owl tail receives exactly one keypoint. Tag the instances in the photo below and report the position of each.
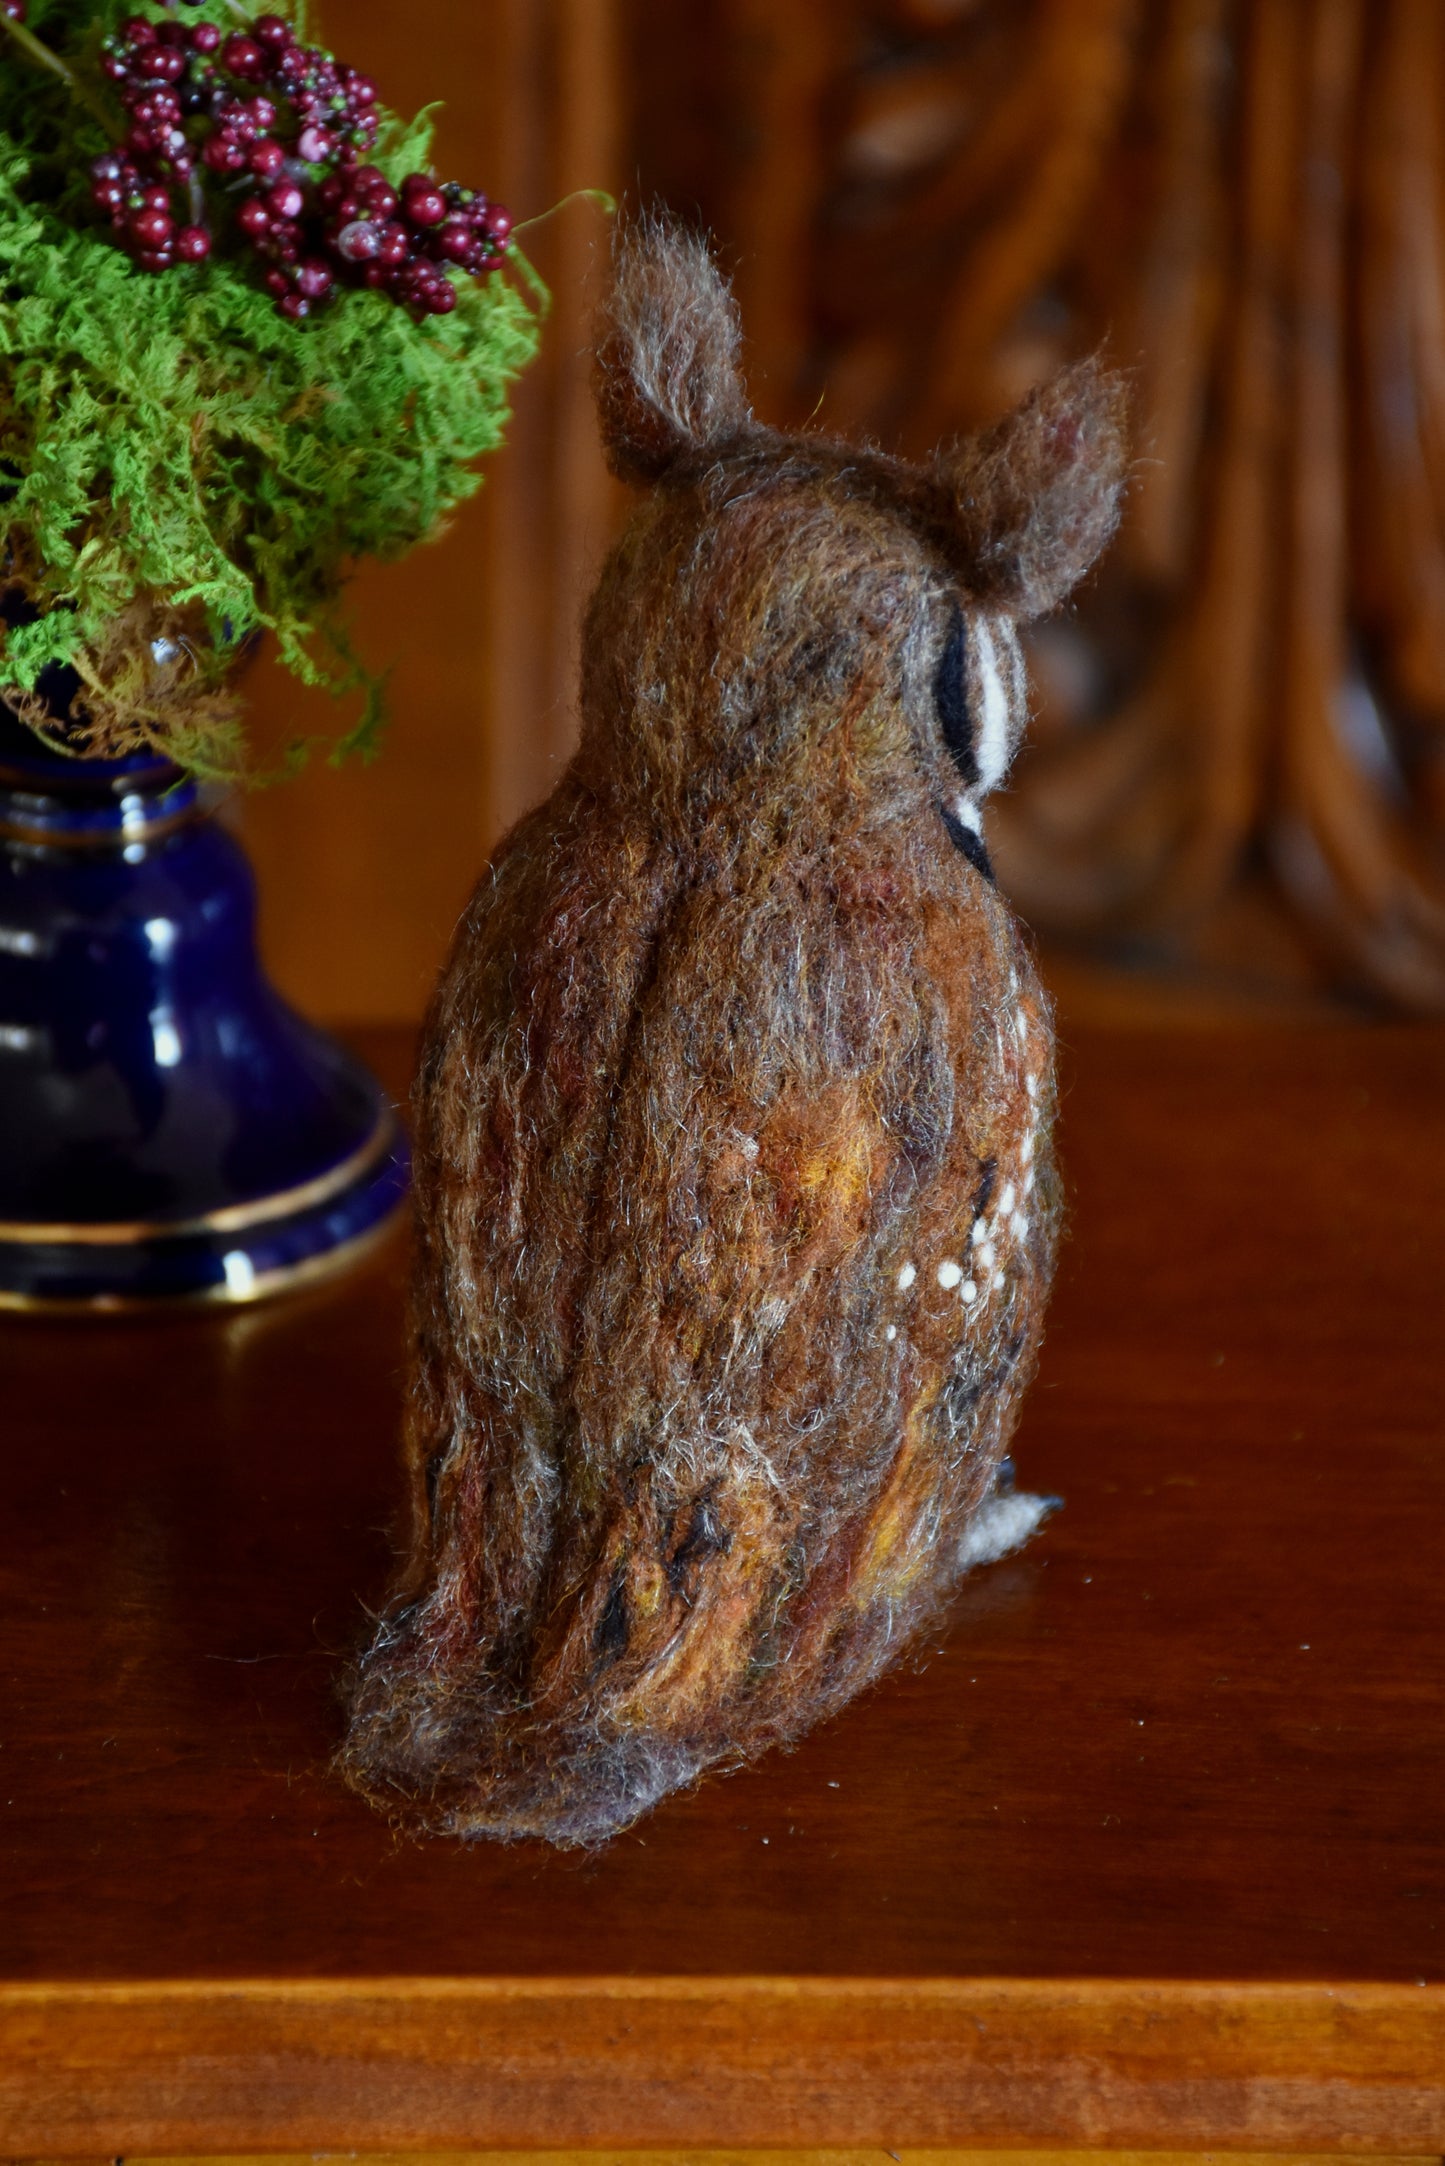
(443, 1746)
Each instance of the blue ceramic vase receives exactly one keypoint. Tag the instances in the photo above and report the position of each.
(169, 1129)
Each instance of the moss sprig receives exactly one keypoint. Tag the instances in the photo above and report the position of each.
(181, 468)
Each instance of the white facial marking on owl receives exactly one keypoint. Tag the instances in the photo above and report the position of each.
(965, 810)
(949, 1273)
(992, 751)
(906, 1277)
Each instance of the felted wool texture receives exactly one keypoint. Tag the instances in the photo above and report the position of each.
(736, 1200)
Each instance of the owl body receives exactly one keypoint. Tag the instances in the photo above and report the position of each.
(736, 1200)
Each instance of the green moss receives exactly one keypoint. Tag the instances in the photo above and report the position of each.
(184, 462)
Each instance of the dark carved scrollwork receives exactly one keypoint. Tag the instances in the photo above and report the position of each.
(1238, 763)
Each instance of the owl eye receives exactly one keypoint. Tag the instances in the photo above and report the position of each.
(950, 697)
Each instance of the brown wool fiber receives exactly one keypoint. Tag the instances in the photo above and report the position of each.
(735, 1195)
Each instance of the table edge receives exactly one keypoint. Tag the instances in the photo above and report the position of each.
(417, 2063)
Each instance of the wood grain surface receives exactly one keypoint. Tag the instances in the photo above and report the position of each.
(1146, 1849)
(740, 2061)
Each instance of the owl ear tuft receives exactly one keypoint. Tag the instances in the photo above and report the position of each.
(665, 366)
(1037, 498)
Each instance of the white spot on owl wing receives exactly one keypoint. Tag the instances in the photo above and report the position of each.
(1007, 1200)
(906, 1277)
(968, 1293)
(891, 1333)
(949, 1273)
(993, 747)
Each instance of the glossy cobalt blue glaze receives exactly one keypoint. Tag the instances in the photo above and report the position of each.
(169, 1128)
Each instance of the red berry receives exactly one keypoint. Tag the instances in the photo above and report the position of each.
(278, 283)
(242, 56)
(360, 92)
(498, 223)
(266, 157)
(155, 198)
(162, 64)
(262, 114)
(422, 203)
(315, 145)
(253, 218)
(357, 242)
(137, 31)
(271, 32)
(313, 278)
(295, 306)
(170, 32)
(107, 195)
(155, 259)
(13, 11)
(455, 240)
(285, 240)
(284, 199)
(393, 244)
(193, 244)
(205, 37)
(441, 299)
(151, 229)
(375, 190)
(224, 153)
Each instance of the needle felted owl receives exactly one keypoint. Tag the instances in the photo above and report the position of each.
(735, 1196)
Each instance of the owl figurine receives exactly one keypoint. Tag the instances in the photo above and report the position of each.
(735, 1196)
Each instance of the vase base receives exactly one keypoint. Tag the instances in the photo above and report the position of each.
(270, 1245)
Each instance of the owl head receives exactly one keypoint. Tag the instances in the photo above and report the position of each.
(794, 615)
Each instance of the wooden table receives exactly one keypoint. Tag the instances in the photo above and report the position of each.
(1147, 1851)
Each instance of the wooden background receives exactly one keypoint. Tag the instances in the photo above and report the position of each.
(1235, 787)
(363, 870)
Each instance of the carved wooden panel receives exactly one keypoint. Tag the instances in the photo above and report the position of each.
(1238, 762)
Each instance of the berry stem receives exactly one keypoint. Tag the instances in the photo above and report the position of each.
(597, 197)
(41, 56)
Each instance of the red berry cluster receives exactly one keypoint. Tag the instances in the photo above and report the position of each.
(284, 127)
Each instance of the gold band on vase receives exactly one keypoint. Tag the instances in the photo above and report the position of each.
(288, 1278)
(232, 1218)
